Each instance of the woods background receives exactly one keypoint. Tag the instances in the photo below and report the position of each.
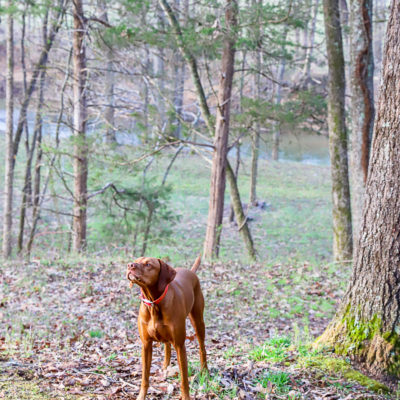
(239, 129)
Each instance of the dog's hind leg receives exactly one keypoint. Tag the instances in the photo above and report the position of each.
(196, 318)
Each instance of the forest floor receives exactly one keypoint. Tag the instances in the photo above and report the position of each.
(69, 330)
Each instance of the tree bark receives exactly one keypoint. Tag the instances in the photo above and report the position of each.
(9, 150)
(79, 126)
(341, 211)
(218, 169)
(367, 323)
(362, 103)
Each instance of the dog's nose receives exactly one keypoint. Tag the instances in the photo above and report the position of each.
(132, 266)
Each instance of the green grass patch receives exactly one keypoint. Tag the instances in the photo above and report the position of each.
(96, 334)
(278, 382)
(274, 350)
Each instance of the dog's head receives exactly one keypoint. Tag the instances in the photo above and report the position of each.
(150, 272)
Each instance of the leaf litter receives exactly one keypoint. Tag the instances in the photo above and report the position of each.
(71, 328)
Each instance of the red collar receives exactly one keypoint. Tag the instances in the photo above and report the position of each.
(150, 303)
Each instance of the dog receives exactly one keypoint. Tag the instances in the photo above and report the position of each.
(168, 296)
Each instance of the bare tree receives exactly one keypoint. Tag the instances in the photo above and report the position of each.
(9, 159)
(218, 169)
(79, 126)
(255, 138)
(191, 61)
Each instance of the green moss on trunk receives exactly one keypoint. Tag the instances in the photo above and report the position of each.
(337, 366)
(365, 340)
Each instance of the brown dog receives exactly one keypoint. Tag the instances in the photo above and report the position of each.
(168, 296)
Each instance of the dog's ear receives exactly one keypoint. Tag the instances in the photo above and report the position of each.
(167, 275)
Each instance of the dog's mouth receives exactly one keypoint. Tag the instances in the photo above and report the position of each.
(133, 278)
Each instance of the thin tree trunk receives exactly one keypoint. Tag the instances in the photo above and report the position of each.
(341, 211)
(191, 61)
(307, 62)
(218, 169)
(109, 83)
(14, 140)
(362, 103)
(36, 143)
(243, 227)
(255, 137)
(147, 228)
(80, 118)
(43, 58)
(37, 197)
(237, 161)
(276, 126)
(179, 85)
(367, 323)
(9, 159)
(37, 136)
(159, 70)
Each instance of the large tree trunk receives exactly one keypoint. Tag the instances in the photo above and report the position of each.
(341, 212)
(79, 125)
(9, 150)
(218, 169)
(368, 320)
(362, 103)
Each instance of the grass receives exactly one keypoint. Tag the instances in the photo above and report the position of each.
(276, 381)
(273, 350)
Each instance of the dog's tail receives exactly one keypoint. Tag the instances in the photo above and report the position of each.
(196, 264)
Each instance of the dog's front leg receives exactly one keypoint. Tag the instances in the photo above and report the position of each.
(147, 352)
(183, 367)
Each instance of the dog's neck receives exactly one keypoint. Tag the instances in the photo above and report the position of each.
(151, 293)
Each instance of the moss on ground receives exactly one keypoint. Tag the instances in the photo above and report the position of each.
(21, 389)
(338, 366)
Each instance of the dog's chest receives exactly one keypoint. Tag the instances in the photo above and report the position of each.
(158, 331)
